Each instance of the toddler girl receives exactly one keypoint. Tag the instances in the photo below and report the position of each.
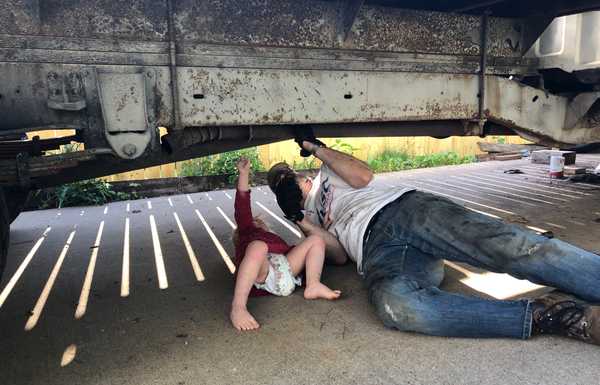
(265, 263)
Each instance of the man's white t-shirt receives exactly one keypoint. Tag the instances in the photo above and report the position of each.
(345, 211)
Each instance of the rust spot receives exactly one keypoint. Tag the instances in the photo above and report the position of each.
(122, 102)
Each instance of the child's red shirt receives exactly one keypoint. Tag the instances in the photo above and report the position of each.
(248, 232)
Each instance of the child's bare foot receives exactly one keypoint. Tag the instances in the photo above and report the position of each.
(318, 290)
(242, 320)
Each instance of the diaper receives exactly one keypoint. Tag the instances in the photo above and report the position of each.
(280, 280)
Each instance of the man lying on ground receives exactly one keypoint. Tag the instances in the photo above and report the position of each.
(400, 237)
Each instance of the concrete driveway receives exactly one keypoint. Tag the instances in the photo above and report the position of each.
(138, 293)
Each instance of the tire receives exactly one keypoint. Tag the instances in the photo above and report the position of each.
(15, 199)
(4, 231)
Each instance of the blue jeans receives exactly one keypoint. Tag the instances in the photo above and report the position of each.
(403, 267)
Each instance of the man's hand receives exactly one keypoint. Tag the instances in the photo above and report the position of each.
(305, 137)
(243, 165)
(309, 146)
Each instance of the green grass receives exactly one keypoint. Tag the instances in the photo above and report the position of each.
(306, 164)
(392, 160)
(221, 164)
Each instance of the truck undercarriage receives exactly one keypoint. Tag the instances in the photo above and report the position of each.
(223, 75)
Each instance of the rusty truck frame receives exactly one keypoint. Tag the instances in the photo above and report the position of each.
(226, 74)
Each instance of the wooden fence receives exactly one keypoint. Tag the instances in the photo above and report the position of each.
(364, 148)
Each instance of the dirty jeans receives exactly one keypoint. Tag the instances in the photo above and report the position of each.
(403, 267)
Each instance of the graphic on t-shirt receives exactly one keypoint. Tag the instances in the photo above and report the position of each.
(324, 209)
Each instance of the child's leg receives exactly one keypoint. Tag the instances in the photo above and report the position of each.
(254, 267)
(311, 253)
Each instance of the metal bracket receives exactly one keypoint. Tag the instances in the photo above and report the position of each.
(23, 176)
(349, 11)
(532, 29)
(175, 119)
(65, 92)
(127, 107)
(482, 69)
(578, 107)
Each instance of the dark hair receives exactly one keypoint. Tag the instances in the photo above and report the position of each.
(276, 173)
(289, 196)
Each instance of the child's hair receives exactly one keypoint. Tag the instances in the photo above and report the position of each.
(258, 222)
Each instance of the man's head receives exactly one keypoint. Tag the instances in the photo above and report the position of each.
(290, 188)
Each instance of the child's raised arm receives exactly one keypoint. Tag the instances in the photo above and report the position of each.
(243, 166)
(243, 209)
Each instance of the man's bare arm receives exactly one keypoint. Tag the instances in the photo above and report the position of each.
(334, 251)
(353, 171)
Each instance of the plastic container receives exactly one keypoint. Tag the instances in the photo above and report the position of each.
(557, 165)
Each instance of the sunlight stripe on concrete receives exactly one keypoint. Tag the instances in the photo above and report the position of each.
(536, 229)
(89, 276)
(227, 195)
(163, 283)
(471, 193)
(190, 251)
(576, 222)
(17, 275)
(280, 220)
(68, 355)
(231, 224)
(495, 184)
(545, 171)
(41, 302)
(593, 186)
(504, 181)
(125, 269)
(542, 183)
(218, 245)
(499, 286)
(481, 185)
(553, 182)
(484, 213)
(466, 201)
(473, 189)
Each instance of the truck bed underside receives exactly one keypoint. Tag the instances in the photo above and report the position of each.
(223, 75)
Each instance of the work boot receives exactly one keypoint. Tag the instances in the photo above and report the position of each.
(553, 314)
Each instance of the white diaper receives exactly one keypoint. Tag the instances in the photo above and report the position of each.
(280, 280)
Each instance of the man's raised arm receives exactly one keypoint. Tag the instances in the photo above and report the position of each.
(353, 171)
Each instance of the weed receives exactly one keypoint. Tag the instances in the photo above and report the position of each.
(391, 160)
(309, 163)
(342, 146)
(83, 193)
(221, 164)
